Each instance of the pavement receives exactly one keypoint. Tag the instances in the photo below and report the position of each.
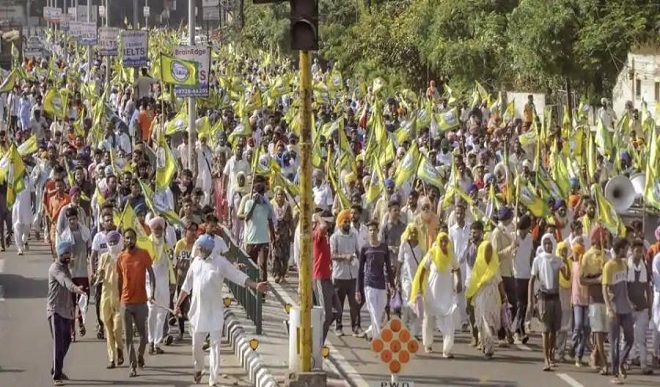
(517, 365)
(25, 348)
(25, 342)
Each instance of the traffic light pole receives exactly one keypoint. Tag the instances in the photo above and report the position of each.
(305, 336)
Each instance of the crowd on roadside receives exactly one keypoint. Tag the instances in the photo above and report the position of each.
(454, 216)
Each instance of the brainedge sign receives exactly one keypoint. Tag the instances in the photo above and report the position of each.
(201, 55)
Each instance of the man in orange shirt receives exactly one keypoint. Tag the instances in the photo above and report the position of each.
(49, 190)
(145, 117)
(132, 266)
(55, 204)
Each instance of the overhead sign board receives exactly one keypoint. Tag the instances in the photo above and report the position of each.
(109, 41)
(33, 48)
(201, 55)
(87, 34)
(134, 48)
(211, 13)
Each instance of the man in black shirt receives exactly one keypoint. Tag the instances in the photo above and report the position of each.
(374, 264)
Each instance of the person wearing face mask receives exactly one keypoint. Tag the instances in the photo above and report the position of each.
(110, 312)
(203, 282)
(164, 277)
(60, 307)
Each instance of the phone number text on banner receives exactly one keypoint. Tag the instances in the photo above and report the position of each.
(135, 44)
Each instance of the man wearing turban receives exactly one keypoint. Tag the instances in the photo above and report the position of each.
(203, 282)
(60, 306)
(164, 273)
(344, 251)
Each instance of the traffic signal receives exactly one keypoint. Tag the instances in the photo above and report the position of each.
(304, 25)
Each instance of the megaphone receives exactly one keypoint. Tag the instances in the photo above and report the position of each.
(620, 192)
(638, 181)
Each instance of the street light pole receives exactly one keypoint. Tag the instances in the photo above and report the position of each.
(192, 130)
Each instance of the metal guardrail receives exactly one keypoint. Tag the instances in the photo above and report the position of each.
(249, 299)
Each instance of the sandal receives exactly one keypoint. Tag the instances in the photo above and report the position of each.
(603, 371)
(623, 372)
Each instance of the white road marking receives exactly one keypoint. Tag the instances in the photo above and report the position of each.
(571, 382)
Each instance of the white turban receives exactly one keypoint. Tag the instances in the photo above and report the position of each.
(155, 222)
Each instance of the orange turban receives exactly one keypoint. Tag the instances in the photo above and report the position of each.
(343, 216)
(578, 250)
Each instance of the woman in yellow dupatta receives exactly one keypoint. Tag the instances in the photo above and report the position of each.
(438, 281)
(485, 292)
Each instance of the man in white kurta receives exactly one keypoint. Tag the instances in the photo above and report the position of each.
(22, 216)
(164, 275)
(204, 282)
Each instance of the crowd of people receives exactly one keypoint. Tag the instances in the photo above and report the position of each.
(490, 237)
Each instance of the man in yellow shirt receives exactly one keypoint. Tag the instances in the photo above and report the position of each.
(591, 270)
(182, 259)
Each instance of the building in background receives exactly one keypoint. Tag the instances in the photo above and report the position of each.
(639, 80)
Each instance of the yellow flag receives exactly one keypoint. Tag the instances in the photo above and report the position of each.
(179, 123)
(55, 103)
(165, 165)
(28, 147)
(407, 166)
(177, 71)
(12, 170)
(606, 213)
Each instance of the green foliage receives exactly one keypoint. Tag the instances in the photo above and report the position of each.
(522, 44)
